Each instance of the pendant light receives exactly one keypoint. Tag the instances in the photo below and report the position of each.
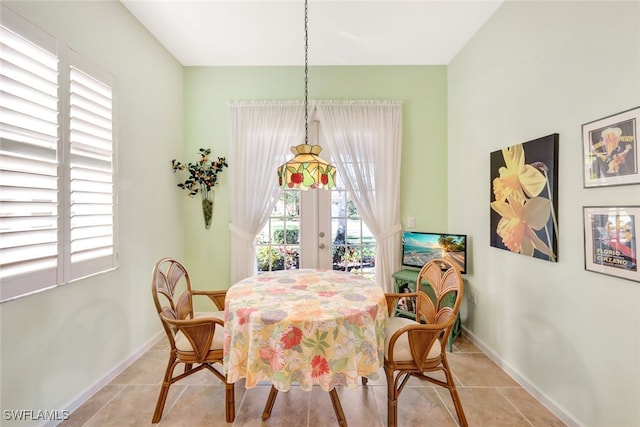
(306, 169)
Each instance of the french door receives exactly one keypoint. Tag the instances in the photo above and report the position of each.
(316, 229)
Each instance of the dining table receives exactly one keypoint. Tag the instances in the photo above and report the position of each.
(304, 327)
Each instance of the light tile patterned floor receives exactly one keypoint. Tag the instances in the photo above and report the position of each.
(489, 397)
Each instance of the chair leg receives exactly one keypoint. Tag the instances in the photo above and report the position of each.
(162, 398)
(164, 390)
(457, 403)
(270, 401)
(392, 399)
(337, 407)
(230, 407)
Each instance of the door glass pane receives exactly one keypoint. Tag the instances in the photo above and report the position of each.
(353, 244)
(278, 244)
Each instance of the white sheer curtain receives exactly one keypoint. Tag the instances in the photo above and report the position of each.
(260, 138)
(365, 138)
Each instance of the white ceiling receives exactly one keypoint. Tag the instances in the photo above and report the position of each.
(358, 32)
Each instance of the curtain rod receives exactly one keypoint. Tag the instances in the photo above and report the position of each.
(267, 102)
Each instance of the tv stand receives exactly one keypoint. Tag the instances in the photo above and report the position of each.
(405, 281)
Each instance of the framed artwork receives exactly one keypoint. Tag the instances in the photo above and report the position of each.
(524, 198)
(611, 240)
(610, 149)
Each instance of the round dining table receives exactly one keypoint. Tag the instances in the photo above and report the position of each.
(306, 327)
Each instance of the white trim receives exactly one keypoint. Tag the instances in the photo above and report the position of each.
(517, 377)
(107, 378)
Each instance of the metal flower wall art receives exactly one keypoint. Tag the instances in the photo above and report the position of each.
(524, 201)
(203, 177)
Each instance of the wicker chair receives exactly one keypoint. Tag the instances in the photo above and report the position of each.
(194, 340)
(417, 347)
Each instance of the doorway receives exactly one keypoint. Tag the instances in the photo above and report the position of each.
(316, 229)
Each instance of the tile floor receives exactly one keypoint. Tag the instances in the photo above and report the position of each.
(489, 397)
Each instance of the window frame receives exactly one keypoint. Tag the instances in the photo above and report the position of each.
(21, 284)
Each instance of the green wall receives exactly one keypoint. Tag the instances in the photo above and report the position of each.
(423, 90)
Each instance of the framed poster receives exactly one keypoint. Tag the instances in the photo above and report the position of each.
(524, 198)
(611, 240)
(610, 148)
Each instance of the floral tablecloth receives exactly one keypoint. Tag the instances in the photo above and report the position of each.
(304, 327)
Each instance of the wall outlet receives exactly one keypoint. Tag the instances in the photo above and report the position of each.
(473, 297)
(411, 222)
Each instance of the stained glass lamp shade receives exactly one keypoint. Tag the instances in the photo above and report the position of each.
(306, 170)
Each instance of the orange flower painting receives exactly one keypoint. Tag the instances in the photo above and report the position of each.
(524, 198)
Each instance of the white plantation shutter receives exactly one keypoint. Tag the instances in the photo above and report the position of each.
(29, 184)
(91, 174)
(57, 198)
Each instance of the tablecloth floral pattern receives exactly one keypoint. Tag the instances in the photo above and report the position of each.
(304, 327)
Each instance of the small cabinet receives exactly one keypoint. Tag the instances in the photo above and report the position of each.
(405, 281)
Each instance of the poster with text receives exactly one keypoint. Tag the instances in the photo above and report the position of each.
(611, 239)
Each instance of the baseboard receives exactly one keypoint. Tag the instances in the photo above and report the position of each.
(98, 385)
(535, 392)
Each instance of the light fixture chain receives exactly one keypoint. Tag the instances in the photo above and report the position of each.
(306, 72)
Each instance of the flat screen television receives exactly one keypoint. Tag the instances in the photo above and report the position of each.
(418, 248)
